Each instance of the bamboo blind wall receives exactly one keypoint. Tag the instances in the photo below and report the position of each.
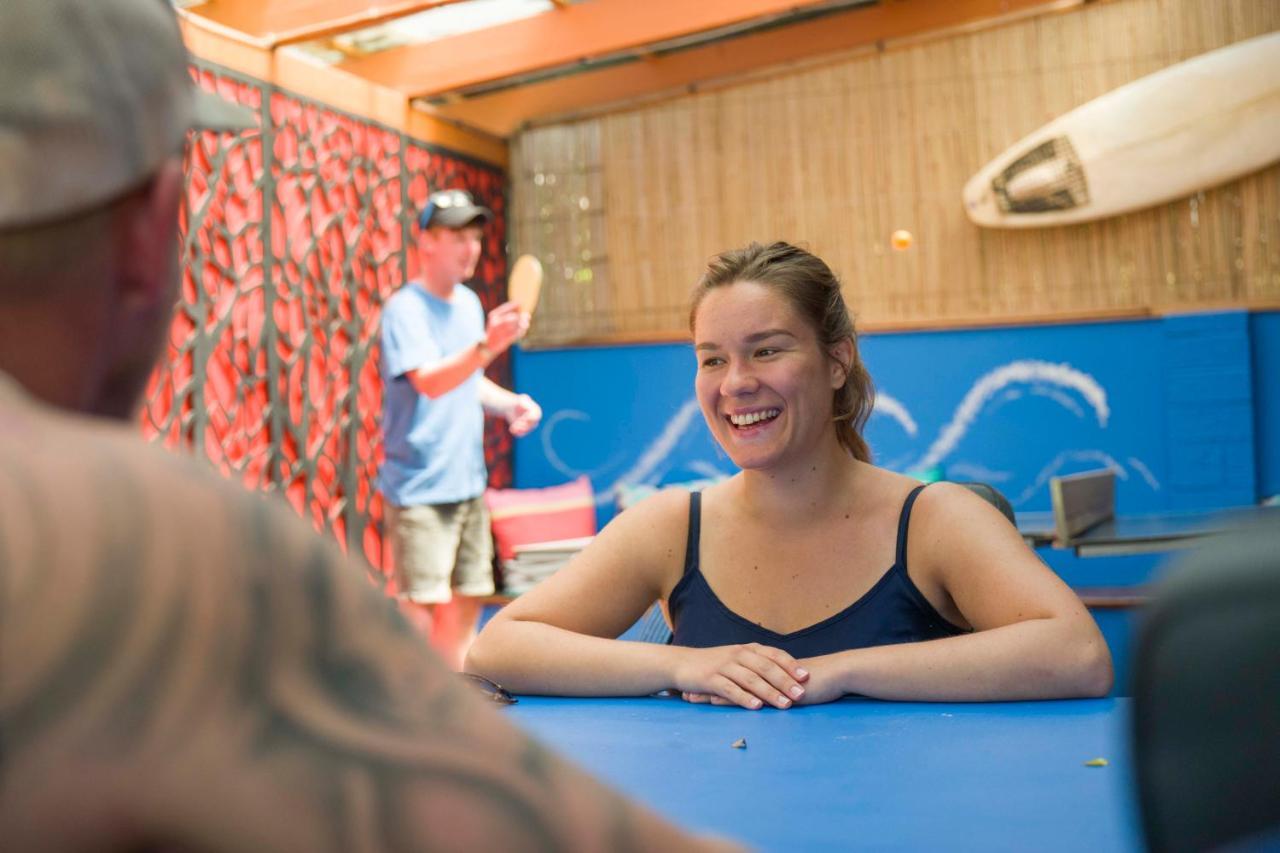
(624, 209)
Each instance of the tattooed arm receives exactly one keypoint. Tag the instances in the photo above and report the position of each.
(184, 665)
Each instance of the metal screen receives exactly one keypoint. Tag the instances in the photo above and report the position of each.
(292, 237)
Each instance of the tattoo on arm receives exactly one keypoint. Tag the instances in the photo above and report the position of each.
(201, 621)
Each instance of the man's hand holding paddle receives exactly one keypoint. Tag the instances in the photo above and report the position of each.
(509, 322)
(506, 324)
(525, 283)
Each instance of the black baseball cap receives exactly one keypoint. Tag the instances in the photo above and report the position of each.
(452, 209)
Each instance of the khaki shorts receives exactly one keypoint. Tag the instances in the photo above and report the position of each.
(442, 546)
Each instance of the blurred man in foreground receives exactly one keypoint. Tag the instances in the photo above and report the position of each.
(184, 665)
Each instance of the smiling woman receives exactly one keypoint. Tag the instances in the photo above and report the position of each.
(808, 289)
(812, 573)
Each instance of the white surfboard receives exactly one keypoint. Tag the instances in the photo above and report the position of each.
(1185, 128)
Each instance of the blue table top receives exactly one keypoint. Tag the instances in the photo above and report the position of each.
(861, 773)
(1163, 526)
(1165, 530)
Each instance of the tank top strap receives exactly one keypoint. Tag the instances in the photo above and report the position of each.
(695, 533)
(904, 520)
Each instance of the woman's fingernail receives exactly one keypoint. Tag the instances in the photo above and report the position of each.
(797, 691)
(783, 701)
(801, 671)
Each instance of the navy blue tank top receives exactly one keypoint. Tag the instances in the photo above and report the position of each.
(892, 611)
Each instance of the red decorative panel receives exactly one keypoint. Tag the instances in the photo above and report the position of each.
(292, 237)
(212, 390)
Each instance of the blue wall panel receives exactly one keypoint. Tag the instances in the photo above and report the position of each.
(1015, 407)
(1264, 334)
(1012, 407)
(1185, 409)
(617, 414)
(1208, 381)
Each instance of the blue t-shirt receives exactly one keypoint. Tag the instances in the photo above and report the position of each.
(434, 448)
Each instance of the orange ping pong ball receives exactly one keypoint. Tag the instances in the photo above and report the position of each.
(900, 240)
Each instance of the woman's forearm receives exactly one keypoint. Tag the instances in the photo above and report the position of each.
(533, 657)
(1034, 659)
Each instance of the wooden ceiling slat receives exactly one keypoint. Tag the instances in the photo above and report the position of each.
(502, 113)
(553, 39)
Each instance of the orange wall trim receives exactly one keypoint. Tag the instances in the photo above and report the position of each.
(943, 324)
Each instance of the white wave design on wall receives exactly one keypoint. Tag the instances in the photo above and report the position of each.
(706, 470)
(892, 407)
(1047, 380)
(1145, 472)
(991, 384)
(1061, 399)
(1012, 394)
(972, 471)
(1098, 457)
(549, 450)
(661, 447)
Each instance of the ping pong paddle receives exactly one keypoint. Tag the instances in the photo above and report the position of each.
(525, 283)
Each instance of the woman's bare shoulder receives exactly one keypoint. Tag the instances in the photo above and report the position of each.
(956, 503)
(662, 506)
(654, 525)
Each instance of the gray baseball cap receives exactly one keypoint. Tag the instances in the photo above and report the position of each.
(452, 209)
(94, 96)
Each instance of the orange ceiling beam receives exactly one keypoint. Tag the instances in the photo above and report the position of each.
(502, 113)
(555, 38)
(273, 23)
(301, 75)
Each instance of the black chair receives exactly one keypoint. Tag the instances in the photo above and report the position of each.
(1206, 699)
(992, 495)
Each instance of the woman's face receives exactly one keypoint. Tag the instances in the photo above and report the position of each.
(764, 383)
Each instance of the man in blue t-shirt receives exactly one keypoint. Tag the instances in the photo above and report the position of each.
(436, 343)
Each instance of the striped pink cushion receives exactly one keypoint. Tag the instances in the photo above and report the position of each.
(526, 516)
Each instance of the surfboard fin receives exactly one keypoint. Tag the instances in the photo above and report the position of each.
(1048, 177)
